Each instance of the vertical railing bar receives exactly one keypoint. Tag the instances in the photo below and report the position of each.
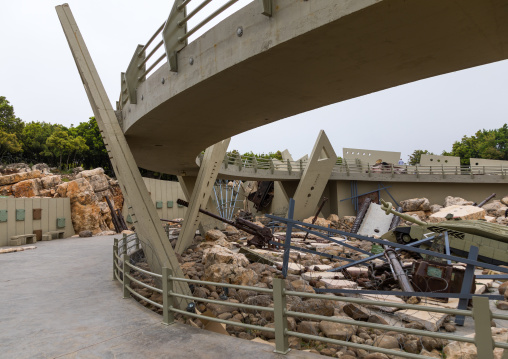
(279, 316)
(483, 335)
(126, 280)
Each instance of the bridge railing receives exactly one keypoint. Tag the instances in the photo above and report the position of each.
(369, 169)
(240, 162)
(174, 35)
(123, 270)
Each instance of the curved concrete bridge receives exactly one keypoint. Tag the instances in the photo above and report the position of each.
(309, 54)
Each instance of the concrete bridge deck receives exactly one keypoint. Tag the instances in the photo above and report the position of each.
(309, 54)
(59, 301)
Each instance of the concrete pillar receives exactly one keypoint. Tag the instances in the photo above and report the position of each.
(210, 166)
(206, 223)
(314, 178)
(148, 226)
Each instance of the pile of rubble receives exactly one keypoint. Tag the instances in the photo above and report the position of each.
(87, 191)
(225, 257)
(494, 212)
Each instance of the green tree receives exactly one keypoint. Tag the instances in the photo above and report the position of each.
(60, 144)
(415, 157)
(8, 121)
(96, 155)
(79, 147)
(34, 137)
(488, 144)
(8, 143)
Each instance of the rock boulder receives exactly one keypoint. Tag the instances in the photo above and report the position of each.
(415, 204)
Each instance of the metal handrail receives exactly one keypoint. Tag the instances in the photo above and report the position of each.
(480, 310)
(348, 166)
(159, 30)
(193, 12)
(144, 271)
(226, 303)
(228, 285)
(144, 284)
(189, 33)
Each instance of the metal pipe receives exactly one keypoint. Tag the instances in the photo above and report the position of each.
(151, 39)
(448, 311)
(355, 345)
(144, 271)
(386, 327)
(180, 7)
(205, 21)
(482, 203)
(222, 302)
(151, 67)
(155, 304)
(217, 320)
(144, 284)
(193, 12)
(397, 270)
(236, 286)
(150, 54)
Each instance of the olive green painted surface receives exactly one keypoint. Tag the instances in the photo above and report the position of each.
(18, 215)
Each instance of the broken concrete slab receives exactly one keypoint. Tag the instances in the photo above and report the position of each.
(430, 320)
(321, 275)
(383, 298)
(462, 212)
(321, 267)
(339, 284)
(293, 268)
(258, 256)
(375, 222)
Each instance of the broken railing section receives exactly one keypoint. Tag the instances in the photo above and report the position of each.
(462, 285)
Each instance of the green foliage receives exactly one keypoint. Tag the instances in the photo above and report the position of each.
(415, 157)
(487, 144)
(8, 143)
(277, 155)
(34, 137)
(96, 155)
(8, 121)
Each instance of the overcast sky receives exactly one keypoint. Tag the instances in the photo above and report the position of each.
(38, 76)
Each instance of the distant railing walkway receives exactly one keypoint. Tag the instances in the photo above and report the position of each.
(240, 163)
(122, 267)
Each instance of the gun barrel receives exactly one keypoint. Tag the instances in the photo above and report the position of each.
(387, 207)
(181, 202)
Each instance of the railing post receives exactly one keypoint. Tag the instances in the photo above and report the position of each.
(279, 315)
(115, 252)
(482, 318)
(467, 282)
(126, 281)
(289, 166)
(124, 244)
(167, 299)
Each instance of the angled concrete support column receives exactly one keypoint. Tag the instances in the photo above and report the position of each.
(314, 178)
(146, 220)
(206, 223)
(210, 166)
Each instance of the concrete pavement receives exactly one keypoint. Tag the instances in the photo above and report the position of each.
(59, 301)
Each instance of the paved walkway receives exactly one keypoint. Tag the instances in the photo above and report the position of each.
(59, 301)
